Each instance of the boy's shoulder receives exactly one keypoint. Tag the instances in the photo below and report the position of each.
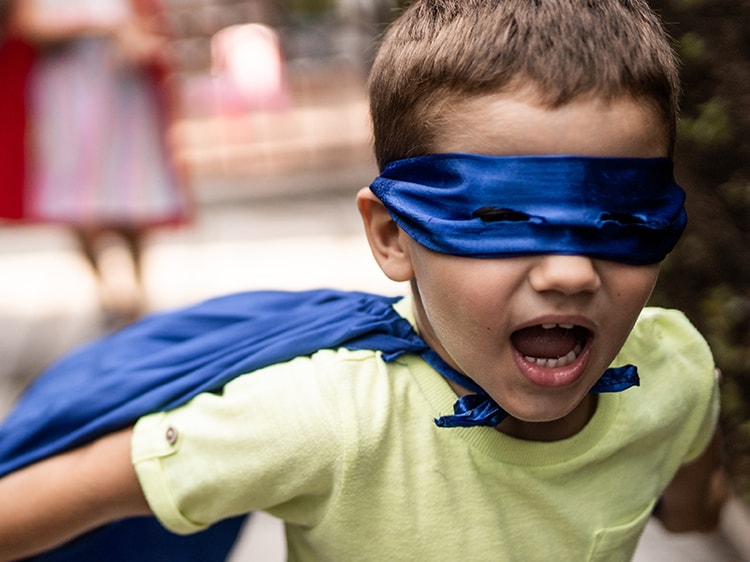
(168, 358)
(663, 333)
(356, 383)
(677, 370)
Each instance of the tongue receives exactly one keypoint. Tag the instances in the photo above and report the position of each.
(544, 343)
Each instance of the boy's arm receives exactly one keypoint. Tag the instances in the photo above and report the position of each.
(695, 496)
(50, 502)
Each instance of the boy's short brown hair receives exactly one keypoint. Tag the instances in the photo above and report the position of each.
(443, 51)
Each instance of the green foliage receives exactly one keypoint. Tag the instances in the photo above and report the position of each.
(736, 193)
(712, 126)
(723, 313)
(692, 48)
(708, 275)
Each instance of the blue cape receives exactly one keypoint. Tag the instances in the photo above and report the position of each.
(161, 362)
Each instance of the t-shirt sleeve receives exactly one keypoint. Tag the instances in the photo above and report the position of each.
(694, 351)
(688, 386)
(706, 429)
(269, 441)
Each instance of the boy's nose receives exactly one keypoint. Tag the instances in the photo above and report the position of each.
(565, 274)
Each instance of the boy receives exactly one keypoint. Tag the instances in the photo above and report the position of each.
(526, 193)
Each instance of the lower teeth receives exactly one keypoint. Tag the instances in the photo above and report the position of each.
(559, 361)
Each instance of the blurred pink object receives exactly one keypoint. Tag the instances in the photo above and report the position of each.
(247, 72)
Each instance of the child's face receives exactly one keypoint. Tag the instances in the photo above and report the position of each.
(486, 317)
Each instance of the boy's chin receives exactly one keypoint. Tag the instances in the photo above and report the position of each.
(545, 423)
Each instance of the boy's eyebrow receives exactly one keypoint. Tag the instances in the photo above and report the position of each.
(628, 210)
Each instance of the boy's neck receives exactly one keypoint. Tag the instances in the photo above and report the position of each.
(553, 430)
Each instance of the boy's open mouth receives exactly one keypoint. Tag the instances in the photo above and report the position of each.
(550, 345)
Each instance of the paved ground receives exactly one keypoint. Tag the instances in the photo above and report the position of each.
(48, 301)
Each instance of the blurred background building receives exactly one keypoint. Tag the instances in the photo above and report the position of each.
(284, 96)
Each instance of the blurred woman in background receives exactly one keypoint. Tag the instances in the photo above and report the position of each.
(90, 113)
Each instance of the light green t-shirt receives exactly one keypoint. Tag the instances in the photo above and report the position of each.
(343, 448)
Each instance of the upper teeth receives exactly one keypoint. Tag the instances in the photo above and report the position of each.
(550, 326)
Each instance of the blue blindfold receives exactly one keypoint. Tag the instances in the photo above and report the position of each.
(627, 210)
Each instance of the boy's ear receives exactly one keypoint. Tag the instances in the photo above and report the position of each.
(386, 239)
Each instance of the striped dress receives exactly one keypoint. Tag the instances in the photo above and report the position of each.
(97, 148)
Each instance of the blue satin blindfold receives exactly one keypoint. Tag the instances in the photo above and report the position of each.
(628, 210)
